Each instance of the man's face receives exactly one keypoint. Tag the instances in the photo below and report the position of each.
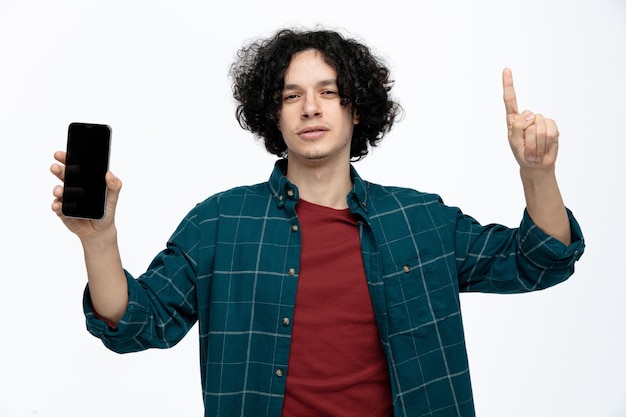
(314, 124)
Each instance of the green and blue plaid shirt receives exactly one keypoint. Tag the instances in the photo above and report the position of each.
(232, 266)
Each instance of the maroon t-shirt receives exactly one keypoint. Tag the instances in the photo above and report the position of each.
(337, 366)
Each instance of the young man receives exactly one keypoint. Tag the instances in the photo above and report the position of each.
(318, 293)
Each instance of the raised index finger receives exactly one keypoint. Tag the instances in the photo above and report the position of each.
(510, 100)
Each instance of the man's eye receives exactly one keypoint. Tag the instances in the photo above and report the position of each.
(290, 97)
(330, 93)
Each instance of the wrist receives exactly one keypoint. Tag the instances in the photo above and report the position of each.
(537, 176)
(100, 241)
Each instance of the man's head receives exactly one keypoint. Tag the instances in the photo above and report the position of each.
(362, 80)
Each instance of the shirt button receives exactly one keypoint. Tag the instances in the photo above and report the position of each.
(406, 268)
(279, 373)
(290, 192)
(292, 272)
(286, 321)
(294, 227)
(280, 197)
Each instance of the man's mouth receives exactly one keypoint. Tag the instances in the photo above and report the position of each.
(312, 132)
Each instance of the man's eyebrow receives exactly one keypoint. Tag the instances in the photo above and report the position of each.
(323, 83)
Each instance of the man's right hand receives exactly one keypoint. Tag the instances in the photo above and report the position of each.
(85, 229)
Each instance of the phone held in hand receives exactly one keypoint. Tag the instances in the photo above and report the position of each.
(87, 162)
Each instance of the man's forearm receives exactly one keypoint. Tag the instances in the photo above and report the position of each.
(107, 281)
(545, 204)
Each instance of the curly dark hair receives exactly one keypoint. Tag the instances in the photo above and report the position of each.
(362, 79)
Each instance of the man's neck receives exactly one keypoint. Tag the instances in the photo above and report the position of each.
(322, 184)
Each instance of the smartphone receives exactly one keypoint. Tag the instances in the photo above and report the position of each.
(87, 162)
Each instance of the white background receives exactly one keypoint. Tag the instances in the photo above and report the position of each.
(156, 72)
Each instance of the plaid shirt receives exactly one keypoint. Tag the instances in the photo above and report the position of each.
(232, 265)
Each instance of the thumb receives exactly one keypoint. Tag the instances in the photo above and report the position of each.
(114, 185)
(518, 123)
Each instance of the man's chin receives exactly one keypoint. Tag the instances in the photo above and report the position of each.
(316, 157)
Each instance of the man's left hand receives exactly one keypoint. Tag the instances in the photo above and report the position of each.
(533, 138)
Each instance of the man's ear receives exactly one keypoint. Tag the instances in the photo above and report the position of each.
(355, 118)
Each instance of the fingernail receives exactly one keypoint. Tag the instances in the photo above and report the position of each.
(530, 117)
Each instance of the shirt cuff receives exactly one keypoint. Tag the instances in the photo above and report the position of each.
(546, 251)
(129, 326)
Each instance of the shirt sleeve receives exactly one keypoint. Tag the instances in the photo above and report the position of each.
(120, 338)
(550, 252)
(162, 304)
(497, 259)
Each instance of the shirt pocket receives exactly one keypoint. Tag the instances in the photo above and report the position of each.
(419, 295)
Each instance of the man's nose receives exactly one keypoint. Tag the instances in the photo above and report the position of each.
(311, 107)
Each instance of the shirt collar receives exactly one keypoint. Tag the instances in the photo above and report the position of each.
(283, 190)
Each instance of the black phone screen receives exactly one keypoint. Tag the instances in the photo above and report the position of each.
(87, 162)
